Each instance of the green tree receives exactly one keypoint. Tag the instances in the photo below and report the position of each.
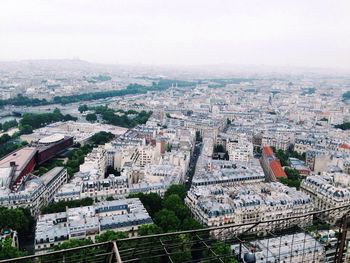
(5, 138)
(183, 252)
(7, 251)
(345, 126)
(149, 229)
(18, 219)
(167, 220)
(174, 203)
(110, 235)
(9, 124)
(83, 108)
(26, 129)
(91, 117)
(152, 202)
(73, 242)
(177, 189)
(220, 249)
(292, 174)
(101, 138)
(190, 224)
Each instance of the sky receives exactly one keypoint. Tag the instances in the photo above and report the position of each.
(303, 33)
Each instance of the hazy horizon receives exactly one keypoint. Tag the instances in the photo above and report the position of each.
(312, 34)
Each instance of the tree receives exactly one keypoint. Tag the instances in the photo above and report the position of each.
(110, 235)
(152, 202)
(346, 95)
(345, 126)
(5, 138)
(7, 251)
(83, 108)
(292, 174)
(182, 253)
(26, 129)
(101, 138)
(174, 203)
(167, 220)
(220, 249)
(73, 242)
(9, 124)
(282, 156)
(190, 224)
(91, 117)
(177, 189)
(18, 219)
(151, 229)
(74, 256)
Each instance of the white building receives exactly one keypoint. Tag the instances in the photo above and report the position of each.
(86, 222)
(248, 203)
(328, 191)
(95, 162)
(86, 185)
(296, 248)
(239, 149)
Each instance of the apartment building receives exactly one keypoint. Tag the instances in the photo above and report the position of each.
(328, 191)
(215, 205)
(88, 221)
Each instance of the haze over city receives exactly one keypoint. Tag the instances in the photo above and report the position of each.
(174, 131)
(274, 33)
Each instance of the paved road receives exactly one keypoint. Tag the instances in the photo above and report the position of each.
(193, 163)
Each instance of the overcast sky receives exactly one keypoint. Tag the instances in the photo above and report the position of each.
(271, 32)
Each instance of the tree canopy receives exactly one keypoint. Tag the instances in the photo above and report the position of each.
(7, 251)
(344, 126)
(18, 219)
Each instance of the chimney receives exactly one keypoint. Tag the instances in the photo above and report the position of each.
(12, 164)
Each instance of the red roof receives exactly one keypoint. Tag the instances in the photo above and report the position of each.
(277, 169)
(344, 146)
(268, 151)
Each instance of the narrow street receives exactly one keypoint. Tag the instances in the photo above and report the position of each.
(193, 163)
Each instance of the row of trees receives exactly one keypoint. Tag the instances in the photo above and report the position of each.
(160, 84)
(8, 125)
(10, 143)
(344, 126)
(21, 100)
(38, 120)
